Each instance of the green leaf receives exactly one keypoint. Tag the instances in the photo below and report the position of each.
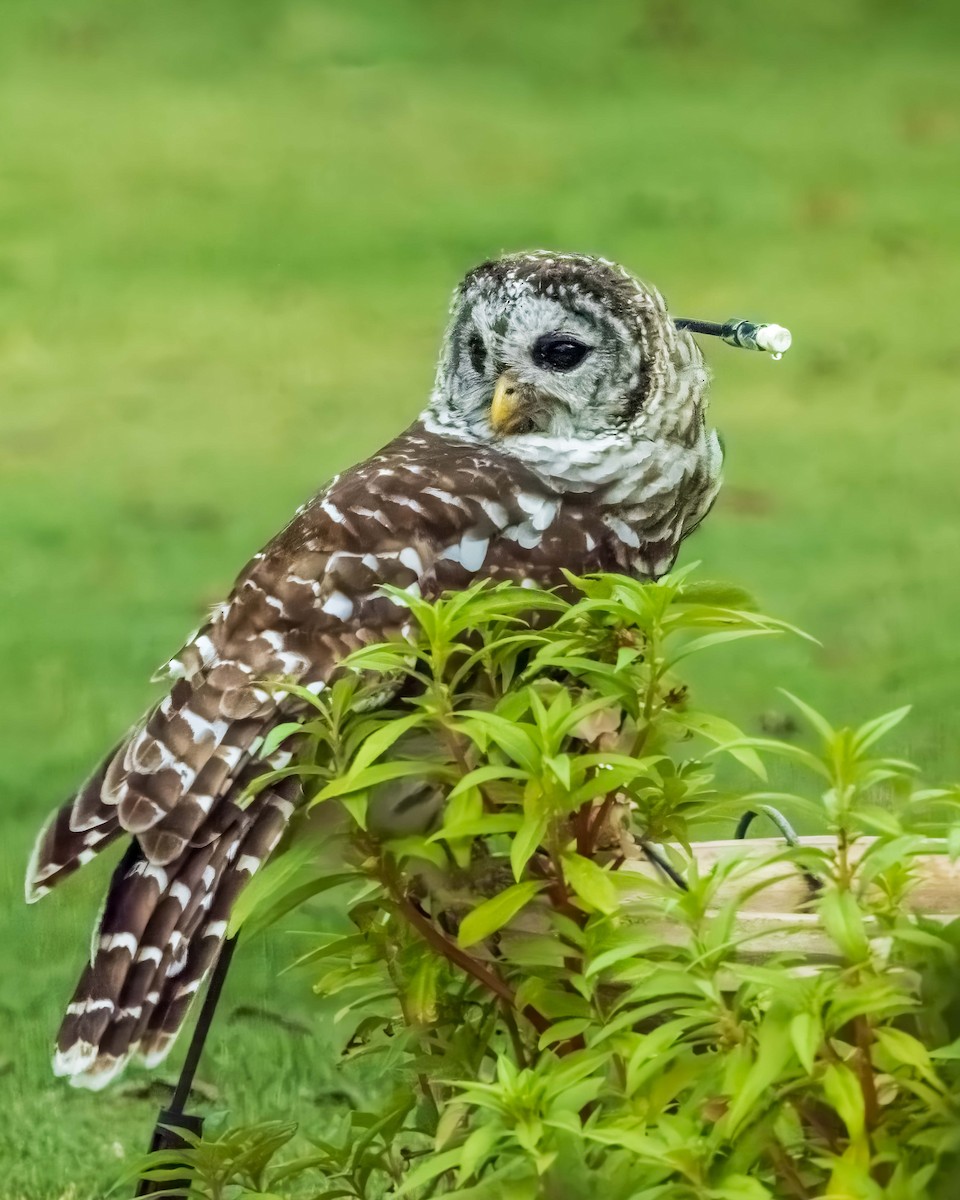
(842, 1090)
(357, 805)
(716, 594)
(646, 1148)
(634, 946)
(739, 1187)
(717, 639)
(903, 1048)
(563, 1031)
(477, 1149)
(878, 820)
(806, 1034)
(592, 884)
(512, 738)
(314, 700)
(879, 727)
(843, 921)
(528, 837)
(428, 1169)
(485, 826)
(753, 1095)
(416, 846)
(948, 1053)
(379, 742)
(272, 878)
(816, 720)
(486, 774)
(559, 766)
(725, 735)
(382, 773)
(494, 913)
(784, 750)
(277, 735)
(265, 916)
(422, 992)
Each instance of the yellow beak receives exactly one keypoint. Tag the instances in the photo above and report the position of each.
(506, 401)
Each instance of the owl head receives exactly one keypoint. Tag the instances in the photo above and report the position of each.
(544, 349)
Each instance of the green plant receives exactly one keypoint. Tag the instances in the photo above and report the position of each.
(557, 1020)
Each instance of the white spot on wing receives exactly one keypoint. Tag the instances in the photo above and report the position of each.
(410, 558)
(624, 532)
(524, 535)
(200, 727)
(203, 802)
(338, 605)
(473, 551)
(496, 512)
(332, 512)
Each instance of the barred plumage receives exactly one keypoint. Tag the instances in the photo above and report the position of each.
(521, 465)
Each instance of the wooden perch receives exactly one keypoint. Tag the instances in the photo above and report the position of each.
(773, 918)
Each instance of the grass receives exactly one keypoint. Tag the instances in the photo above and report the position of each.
(228, 230)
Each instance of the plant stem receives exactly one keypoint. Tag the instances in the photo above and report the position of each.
(594, 828)
(515, 1040)
(784, 1165)
(466, 962)
(864, 1067)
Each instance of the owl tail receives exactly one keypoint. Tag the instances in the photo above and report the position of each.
(157, 938)
(175, 783)
(60, 849)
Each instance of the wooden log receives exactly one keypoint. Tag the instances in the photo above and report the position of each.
(773, 919)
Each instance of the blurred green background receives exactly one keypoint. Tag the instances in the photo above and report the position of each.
(228, 232)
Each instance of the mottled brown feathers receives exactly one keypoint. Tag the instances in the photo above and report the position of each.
(427, 513)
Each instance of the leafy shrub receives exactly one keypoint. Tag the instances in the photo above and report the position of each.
(552, 1020)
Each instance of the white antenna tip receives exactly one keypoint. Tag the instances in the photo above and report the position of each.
(773, 338)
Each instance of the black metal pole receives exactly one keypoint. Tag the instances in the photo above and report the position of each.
(172, 1121)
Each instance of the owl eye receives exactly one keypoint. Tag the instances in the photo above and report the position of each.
(478, 352)
(559, 352)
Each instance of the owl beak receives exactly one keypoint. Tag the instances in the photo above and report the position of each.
(506, 403)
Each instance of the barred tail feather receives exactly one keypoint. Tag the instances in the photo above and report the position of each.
(62, 847)
(175, 783)
(160, 932)
(249, 852)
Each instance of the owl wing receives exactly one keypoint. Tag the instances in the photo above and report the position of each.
(426, 514)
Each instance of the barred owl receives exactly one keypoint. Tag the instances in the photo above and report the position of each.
(566, 428)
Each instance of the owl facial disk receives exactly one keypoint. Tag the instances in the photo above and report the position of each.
(557, 349)
(527, 364)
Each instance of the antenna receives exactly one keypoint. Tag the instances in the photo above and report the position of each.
(747, 335)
